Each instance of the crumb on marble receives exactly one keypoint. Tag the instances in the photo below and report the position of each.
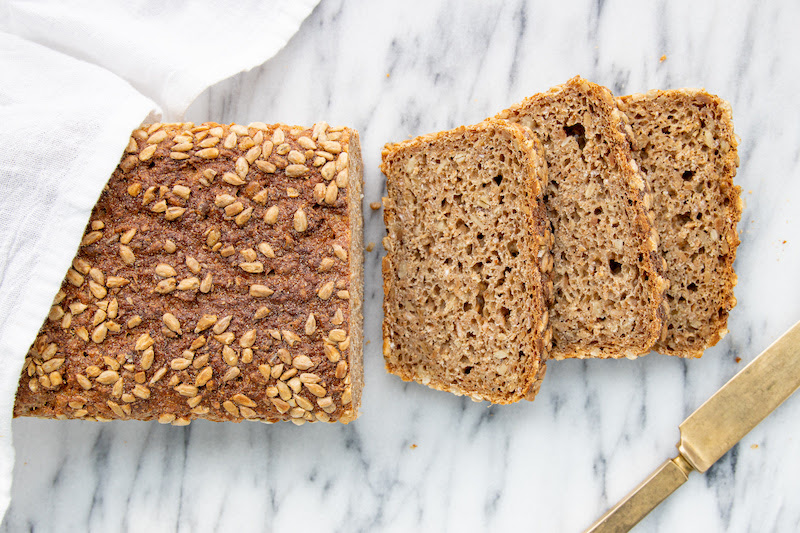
(375, 206)
(753, 446)
(413, 446)
(371, 246)
(662, 58)
(738, 359)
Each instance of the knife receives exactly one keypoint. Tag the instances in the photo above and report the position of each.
(714, 428)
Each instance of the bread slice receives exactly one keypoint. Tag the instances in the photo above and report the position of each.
(220, 277)
(607, 274)
(465, 306)
(684, 143)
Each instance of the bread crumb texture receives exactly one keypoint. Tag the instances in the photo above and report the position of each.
(607, 272)
(464, 298)
(220, 277)
(684, 142)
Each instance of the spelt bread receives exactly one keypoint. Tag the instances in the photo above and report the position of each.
(220, 277)
(465, 307)
(608, 287)
(684, 143)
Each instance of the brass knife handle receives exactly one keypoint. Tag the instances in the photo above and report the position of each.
(632, 508)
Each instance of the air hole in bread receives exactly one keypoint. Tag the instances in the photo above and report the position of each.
(512, 248)
(614, 267)
(692, 287)
(498, 179)
(578, 132)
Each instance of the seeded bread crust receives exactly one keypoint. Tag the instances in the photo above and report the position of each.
(465, 300)
(220, 277)
(609, 287)
(683, 140)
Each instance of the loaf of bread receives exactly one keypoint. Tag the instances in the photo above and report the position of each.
(465, 304)
(684, 142)
(220, 277)
(608, 283)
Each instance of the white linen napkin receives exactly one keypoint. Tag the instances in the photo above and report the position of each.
(78, 77)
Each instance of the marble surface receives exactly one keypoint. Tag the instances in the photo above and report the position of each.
(421, 460)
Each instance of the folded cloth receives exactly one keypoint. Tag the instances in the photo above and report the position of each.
(78, 77)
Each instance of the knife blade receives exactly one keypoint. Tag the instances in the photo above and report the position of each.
(713, 429)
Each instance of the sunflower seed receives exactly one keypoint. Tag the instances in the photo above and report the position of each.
(147, 152)
(231, 374)
(146, 361)
(248, 339)
(342, 179)
(315, 389)
(83, 381)
(331, 193)
(144, 342)
(172, 323)
(311, 324)
(127, 255)
(271, 216)
(289, 374)
(159, 207)
(223, 324)
(241, 167)
(230, 356)
(193, 265)
(243, 217)
(134, 189)
(260, 291)
(158, 375)
(108, 377)
(166, 418)
(126, 237)
(166, 286)
(331, 353)
(337, 335)
(267, 250)
(189, 284)
(340, 252)
(174, 213)
(205, 322)
(290, 337)
(253, 268)
(300, 222)
(326, 290)
(74, 278)
(207, 153)
(188, 391)
(232, 179)
(302, 362)
(204, 376)
(328, 171)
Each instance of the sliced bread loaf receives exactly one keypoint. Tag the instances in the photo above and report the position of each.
(608, 287)
(465, 307)
(684, 143)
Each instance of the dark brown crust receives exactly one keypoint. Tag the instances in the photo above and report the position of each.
(605, 110)
(729, 202)
(247, 165)
(536, 345)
